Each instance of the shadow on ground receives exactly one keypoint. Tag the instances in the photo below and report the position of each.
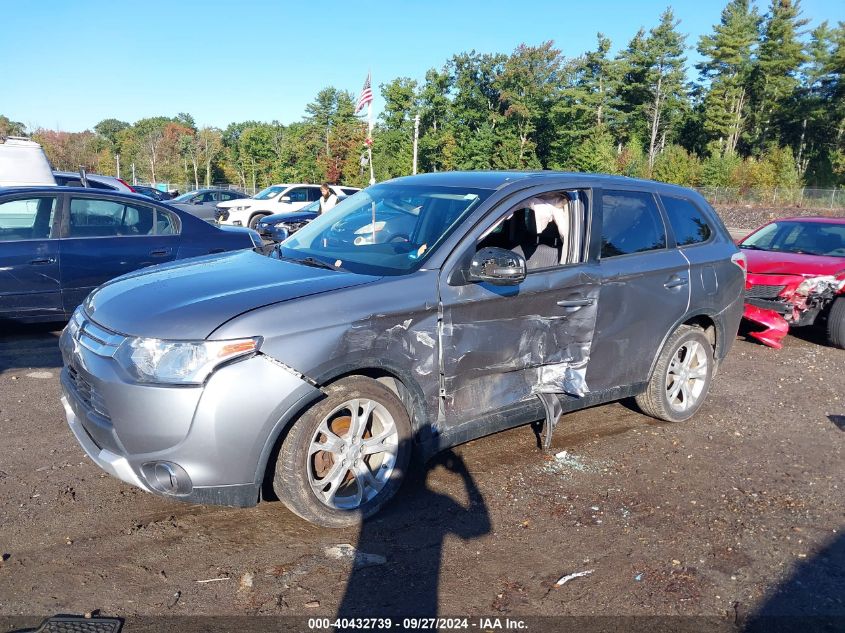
(407, 585)
(29, 345)
(812, 599)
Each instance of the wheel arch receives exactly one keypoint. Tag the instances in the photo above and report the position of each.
(402, 385)
(703, 320)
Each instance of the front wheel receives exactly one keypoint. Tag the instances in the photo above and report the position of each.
(681, 378)
(254, 220)
(346, 456)
(836, 323)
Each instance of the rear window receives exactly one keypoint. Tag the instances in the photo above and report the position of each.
(688, 223)
(631, 223)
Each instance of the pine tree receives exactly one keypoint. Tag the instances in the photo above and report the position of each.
(774, 76)
(728, 67)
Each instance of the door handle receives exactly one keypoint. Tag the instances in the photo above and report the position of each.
(575, 303)
(43, 262)
(675, 282)
(162, 252)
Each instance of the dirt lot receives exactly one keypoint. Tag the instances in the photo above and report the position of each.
(733, 514)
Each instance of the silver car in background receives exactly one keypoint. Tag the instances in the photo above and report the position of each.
(418, 314)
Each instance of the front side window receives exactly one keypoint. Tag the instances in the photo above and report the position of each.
(110, 218)
(385, 230)
(27, 218)
(543, 229)
(300, 194)
(631, 223)
(687, 221)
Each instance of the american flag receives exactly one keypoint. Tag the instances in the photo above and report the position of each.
(366, 95)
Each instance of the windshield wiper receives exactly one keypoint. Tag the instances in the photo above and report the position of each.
(313, 261)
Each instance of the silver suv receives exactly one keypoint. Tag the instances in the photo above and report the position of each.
(418, 314)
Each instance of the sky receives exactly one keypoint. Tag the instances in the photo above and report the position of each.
(68, 65)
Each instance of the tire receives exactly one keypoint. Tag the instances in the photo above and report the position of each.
(685, 351)
(318, 485)
(254, 220)
(836, 323)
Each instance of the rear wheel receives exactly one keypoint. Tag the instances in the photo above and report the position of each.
(681, 378)
(836, 323)
(346, 456)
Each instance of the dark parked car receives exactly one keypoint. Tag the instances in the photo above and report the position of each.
(151, 192)
(203, 202)
(58, 243)
(279, 226)
(510, 298)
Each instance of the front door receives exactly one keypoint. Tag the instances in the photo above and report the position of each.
(30, 283)
(500, 345)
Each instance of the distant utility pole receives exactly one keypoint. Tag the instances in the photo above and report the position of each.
(117, 158)
(416, 139)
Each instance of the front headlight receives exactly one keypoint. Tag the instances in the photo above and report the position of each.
(152, 360)
(813, 285)
(72, 326)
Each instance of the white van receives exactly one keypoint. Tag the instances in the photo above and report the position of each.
(23, 163)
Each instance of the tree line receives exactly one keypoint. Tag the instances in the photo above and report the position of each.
(766, 109)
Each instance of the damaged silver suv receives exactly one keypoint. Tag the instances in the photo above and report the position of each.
(418, 314)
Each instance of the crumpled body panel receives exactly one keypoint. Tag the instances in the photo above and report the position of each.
(776, 326)
(495, 353)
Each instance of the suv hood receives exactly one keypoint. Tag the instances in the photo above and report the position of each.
(192, 298)
(779, 263)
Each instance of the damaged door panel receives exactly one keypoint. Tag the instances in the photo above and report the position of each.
(503, 344)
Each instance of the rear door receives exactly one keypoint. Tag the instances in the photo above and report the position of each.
(30, 282)
(499, 344)
(107, 237)
(645, 289)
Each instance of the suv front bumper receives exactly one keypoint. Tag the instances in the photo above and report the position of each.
(217, 438)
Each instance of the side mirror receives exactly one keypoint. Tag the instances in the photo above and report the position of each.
(281, 235)
(285, 199)
(497, 266)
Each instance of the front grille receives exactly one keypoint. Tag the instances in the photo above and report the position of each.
(89, 395)
(763, 291)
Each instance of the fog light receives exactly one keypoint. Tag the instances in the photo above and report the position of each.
(167, 478)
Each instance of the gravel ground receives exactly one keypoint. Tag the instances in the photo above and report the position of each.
(736, 513)
(750, 217)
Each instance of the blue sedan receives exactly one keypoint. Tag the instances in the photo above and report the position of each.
(59, 243)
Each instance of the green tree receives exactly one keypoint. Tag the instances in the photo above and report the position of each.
(11, 128)
(727, 66)
(665, 83)
(528, 85)
(774, 76)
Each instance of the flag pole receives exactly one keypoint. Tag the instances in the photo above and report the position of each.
(370, 141)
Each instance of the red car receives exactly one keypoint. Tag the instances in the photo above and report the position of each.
(796, 277)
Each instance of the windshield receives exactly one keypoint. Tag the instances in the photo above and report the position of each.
(185, 197)
(385, 229)
(808, 238)
(269, 192)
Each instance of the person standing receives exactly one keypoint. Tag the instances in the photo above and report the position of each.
(328, 199)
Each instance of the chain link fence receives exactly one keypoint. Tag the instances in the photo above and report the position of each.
(805, 197)
(182, 187)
